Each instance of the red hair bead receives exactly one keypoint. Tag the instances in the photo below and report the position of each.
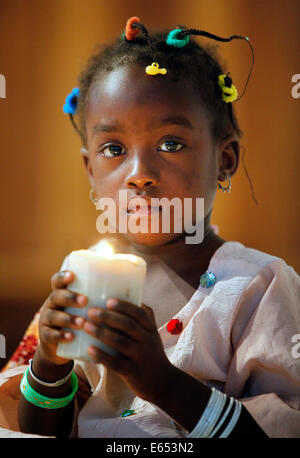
(130, 32)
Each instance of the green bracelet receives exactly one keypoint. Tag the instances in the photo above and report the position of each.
(43, 401)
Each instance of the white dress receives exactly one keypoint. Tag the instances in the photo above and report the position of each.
(237, 336)
(240, 336)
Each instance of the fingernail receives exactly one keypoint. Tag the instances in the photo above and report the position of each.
(68, 335)
(112, 303)
(93, 313)
(93, 350)
(79, 321)
(81, 300)
(90, 327)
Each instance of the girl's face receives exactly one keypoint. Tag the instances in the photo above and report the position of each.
(150, 137)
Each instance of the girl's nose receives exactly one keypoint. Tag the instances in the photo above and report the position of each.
(141, 181)
(141, 177)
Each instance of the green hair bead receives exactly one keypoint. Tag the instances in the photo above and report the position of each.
(176, 42)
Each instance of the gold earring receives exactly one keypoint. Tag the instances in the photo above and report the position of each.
(93, 199)
(225, 188)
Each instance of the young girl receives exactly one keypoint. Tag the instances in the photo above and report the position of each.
(210, 352)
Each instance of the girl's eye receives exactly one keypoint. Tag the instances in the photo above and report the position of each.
(112, 151)
(171, 146)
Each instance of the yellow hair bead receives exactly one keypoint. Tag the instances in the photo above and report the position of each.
(229, 93)
(154, 69)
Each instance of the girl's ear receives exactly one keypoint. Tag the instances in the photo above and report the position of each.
(228, 156)
(87, 163)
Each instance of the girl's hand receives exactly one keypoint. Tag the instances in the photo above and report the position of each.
(53, 318)
(132, 331)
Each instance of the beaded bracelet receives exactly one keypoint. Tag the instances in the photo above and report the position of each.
(43, 401)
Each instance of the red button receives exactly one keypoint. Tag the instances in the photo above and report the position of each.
(174, 326)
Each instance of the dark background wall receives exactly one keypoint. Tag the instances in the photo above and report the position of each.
(46, 211)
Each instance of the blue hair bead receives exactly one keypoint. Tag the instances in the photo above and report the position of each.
(176, 42)
(70, 105)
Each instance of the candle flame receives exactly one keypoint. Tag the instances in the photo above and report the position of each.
(106, 250)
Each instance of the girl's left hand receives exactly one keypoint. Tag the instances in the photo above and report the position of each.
(132, 331)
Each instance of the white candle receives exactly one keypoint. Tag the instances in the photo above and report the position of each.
(100, 277)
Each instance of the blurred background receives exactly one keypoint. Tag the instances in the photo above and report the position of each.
(46, 211)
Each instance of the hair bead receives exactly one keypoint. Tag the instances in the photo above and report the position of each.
(154, 69)
(71, 101)
(229, 91)
(177, 42)
(130, 31)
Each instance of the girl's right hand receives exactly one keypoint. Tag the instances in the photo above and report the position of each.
(53, 318)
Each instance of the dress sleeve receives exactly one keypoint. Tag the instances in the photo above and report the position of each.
(264, 373)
